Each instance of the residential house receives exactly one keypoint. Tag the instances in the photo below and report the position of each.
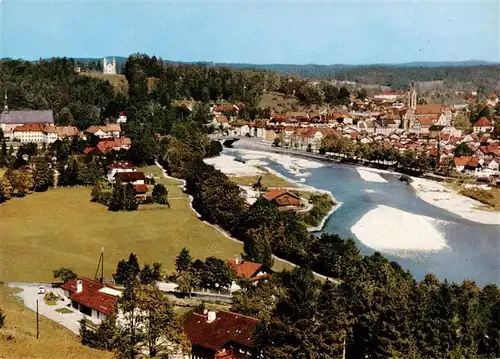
(224, 109)
(92, 298)
(249, 270)
(135, 178)
(482, 125)
(64, 132)
(108, 145)
(119, 166)
(468, 164)
(110, 130)
(222, 335)
(220, 120)
(284, 199)
(492, 100)
(122, 118)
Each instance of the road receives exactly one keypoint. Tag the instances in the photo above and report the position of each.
(29, 296)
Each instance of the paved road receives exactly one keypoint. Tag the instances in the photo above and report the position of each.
(29, 296)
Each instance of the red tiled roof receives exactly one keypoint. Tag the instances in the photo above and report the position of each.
(30, 127)
(221, 119)
(110, 127)
(110, 144)
(67, 131)
(90, 295)
(90, 149)
(434, 109)
(130, 176)
(141, 188)
(466, 161)
(277, 194)
(223, 108)
(244, 269)
(427, 121)
(482, 122)
(227, 327)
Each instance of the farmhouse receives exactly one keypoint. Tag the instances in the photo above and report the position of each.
(220, 334)
(91, 297)
(285, 200)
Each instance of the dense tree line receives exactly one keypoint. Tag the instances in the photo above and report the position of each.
(378, 152)
(53, 84)
(377, 311)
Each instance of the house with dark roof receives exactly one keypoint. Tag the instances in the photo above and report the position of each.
(135, 177)
(220, 334)
(119, 166)
(92, 298)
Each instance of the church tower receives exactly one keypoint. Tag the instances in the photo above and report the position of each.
(409, 119)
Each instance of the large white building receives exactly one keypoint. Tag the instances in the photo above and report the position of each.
(35, 133)
(109, 68)
(10, 120)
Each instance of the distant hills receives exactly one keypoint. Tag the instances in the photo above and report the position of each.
(470, 72)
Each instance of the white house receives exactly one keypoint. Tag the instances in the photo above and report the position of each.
(111, 130)
(482, 125)
(92, 298)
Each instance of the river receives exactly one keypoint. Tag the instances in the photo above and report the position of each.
(472, 249)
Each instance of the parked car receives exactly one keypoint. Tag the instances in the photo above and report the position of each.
(41, 289)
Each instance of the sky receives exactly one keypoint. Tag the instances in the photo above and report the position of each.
(259, 32)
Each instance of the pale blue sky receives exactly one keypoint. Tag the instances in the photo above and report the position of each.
(254, 31)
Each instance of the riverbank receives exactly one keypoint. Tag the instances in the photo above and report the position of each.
(432, 192)
(295, 166)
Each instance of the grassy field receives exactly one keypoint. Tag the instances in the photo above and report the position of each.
(118, 81)
(62, 228)
(18, 336)
(172, 184)
(268, 180)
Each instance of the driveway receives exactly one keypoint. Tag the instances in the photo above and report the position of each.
(29, 296)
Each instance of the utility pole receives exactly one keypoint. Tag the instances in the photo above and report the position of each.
(343, 350)
(37, 320)
(102, 266)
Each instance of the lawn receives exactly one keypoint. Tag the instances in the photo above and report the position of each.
(64, 311)
(172, 184)
(118, 81)
(18, 336)
(62, 228)
(268, 180)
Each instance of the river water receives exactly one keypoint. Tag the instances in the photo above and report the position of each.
(473, 249)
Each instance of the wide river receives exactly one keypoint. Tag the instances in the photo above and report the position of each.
(472, 249)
